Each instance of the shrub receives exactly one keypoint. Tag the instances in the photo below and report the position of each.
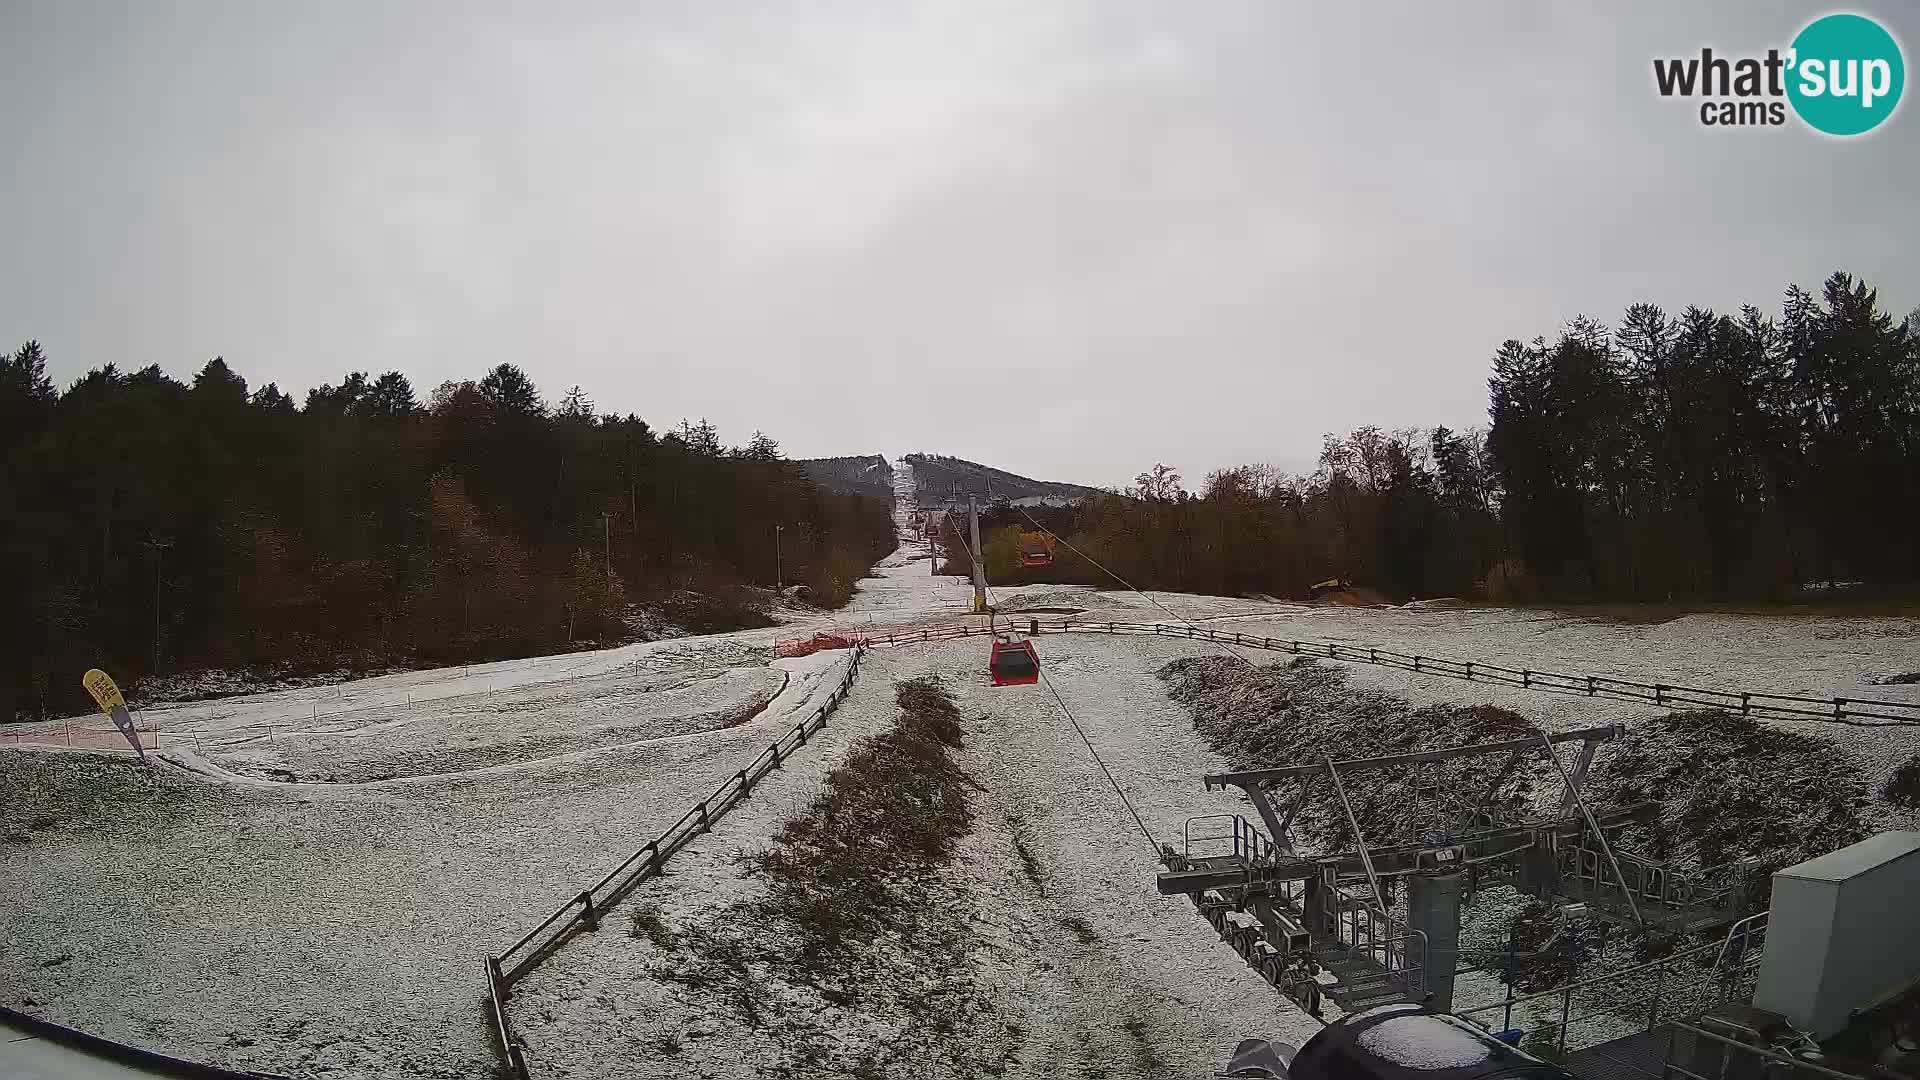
(1902, 789)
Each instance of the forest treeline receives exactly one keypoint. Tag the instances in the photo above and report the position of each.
(154, 524)
(1701, 455)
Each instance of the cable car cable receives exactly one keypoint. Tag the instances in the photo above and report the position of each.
(1152, 844)
(1149, 599)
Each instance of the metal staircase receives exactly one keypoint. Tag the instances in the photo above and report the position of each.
(1363, 957)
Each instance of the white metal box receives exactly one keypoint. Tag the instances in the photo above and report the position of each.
(1843, 932)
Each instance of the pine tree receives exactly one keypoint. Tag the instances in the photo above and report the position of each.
(510, 393)
(390, 398)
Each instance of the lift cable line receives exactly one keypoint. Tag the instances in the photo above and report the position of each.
(1152, 844)
(1572, 786)
(1103, 569)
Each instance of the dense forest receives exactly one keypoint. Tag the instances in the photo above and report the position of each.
(155, 525)
(1701, 456)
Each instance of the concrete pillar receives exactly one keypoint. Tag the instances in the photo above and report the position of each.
(1433, 908)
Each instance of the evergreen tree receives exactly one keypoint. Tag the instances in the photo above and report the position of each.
(510, 393)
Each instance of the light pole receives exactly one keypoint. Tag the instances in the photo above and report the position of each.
(779, 582)
(606, 521)
(159, 554)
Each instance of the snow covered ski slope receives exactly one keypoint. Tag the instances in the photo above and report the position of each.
(306, 881)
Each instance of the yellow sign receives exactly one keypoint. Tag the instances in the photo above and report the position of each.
(105, 693)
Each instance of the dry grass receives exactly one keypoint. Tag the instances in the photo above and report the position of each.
(858, 927)
(893, 810)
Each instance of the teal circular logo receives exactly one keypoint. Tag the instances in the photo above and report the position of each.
(1846, 74)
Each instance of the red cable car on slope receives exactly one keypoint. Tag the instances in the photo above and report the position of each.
(1013, 663)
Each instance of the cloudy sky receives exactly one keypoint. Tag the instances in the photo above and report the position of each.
(1066, 239)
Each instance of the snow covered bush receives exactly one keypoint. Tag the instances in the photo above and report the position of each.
(1732, 789)
(1303, 712)
(1902, 788)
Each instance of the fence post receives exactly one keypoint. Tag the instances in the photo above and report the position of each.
(776, 753)
(1416, 661)
(1746, 703)
(1659, 693)
(1838, 705)
(588, 915)
(706, 825)
(1526, 679)
(1566, 1005)
(746, 785)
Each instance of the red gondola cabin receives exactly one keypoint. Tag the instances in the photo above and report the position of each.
(1013, 663)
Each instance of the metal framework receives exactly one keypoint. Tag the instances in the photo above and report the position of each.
(1324, 924)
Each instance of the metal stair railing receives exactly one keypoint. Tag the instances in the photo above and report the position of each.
(1641, 878)
(1411, 955)
(1246, 841)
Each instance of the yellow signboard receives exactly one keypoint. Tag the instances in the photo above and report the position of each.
(105, 693)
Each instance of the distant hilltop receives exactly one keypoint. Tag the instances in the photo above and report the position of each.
(936, 477)
(868, 475)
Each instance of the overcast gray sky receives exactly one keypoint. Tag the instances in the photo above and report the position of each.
(1065, 239)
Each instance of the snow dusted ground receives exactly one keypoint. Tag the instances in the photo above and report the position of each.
(322, 928)
(1817, 657)
(1095, 973)
(334, 925)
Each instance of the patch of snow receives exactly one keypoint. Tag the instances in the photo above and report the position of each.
(1422, 1042)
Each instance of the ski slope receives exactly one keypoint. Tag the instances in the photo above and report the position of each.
(306, 882)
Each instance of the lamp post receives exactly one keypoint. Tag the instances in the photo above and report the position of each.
(606, 522)
(159, 554)
(779, 581)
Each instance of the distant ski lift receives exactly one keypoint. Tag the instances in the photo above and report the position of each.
(1013, 663)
